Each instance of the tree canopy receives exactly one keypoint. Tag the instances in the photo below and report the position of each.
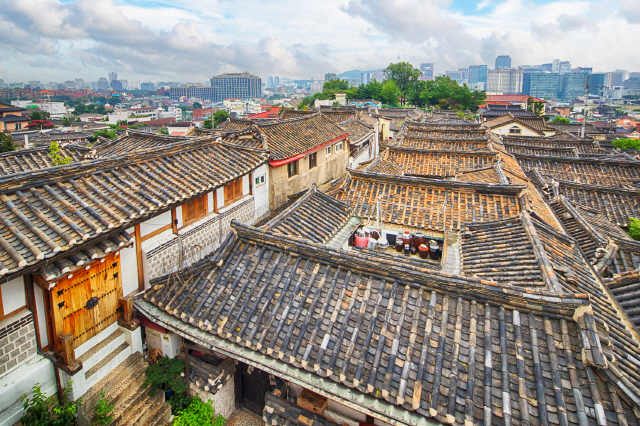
(219, 117)
(405, 77)
(626, 143)
(6, 143)
(197, 105)
(561, 120)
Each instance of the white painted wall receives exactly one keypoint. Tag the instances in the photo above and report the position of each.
(155, 223)
(210, 201)
(245, 184)
(13, 295)
(261, 192)
(504, 130)
(129, 269)
(220, 195)
(42, 318)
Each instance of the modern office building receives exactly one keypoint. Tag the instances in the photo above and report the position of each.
(541, 85)
(597, 83)
(330, 76)
(584, 70)
(237, 86)
(113, 76)
(564, 67)
(147, 86)
(270, 82)
(477, 74)
(572, 86)
(427, 69)
(102, 84)
(193, 90)
(455, 75)
(507, 81)
(503, 61)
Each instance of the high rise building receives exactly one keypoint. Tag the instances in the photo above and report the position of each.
(330, 76)
(458, 76)
(1, 83)
(541, 85)
(555, 66)
(572, 86)
(614, 79)
(113, 76)
(276, 81)
(193, 90)
(505, 80)
(237, 85)
(477, 74)
(147, 86)
(564, 67)
(597, 83)
(503, 61)
(115, 85)
(427, 69)
(270, 82)
(102, 84)
(34, 84)
(465, 73)
(547, 67)
(582, 70)
(365, 78)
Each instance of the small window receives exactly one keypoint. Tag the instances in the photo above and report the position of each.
(292, 168)
(338, 147)
(194, 209)
(313, 160)
(328, 151)
(260, 180)
(515, 130)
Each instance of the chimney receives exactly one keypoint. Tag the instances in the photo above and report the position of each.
(26, 141)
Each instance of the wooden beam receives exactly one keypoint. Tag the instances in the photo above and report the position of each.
(69, 363)
(31, 305)
(157, 231)
(174, 221)
(138, 237)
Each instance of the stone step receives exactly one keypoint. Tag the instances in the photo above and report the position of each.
(125, 407)
(107, 359)
(110, 384)
(94, 355)
(139, 414)
(160, 417)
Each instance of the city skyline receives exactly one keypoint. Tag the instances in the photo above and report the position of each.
(51, 40)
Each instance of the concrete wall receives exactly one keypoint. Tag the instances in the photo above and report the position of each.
(261, 190)
(328, 167)
(223, 400)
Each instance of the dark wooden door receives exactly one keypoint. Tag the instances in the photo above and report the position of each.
(255, 384)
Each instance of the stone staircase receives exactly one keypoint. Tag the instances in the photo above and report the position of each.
(123, 386)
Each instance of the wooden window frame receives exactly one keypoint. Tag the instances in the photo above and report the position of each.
(186, 221)
(518, 131)
(3, 315)
(313, 156)
(237, 187)
(296, 172)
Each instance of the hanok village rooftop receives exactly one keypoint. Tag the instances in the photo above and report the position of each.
(323, 269)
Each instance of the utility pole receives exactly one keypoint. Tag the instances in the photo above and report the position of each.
(586, 105)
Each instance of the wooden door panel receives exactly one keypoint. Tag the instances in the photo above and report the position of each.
(87, 303)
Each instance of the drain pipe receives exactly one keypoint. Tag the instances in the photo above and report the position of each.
(56, 371)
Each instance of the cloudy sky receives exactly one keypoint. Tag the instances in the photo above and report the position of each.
(190, 40)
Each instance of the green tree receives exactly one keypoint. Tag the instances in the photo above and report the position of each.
(560, 120)
(197, 105)
(163, 131)
(535, 107)
(207, 124)
(198, 413)
(39, 115)
(626, 143)
(56, 158)
(335, 85)
(65, 121)
(219, 117)
(390, 93)
(43, 410)
(108, 134)
(6, 143)
(100, 109)
(634, 228)
(80, 109)
(405, 76)
(113, 101)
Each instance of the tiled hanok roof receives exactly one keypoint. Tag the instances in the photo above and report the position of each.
(535, 124)
(289, 138)
(584, 146)
(24, 160)
(55, 214)
(446, 134)
(358, 131)
(236, 124)
(133, 141)
(433, 163)
(426, 203)
(522, 149)
(288, 113)
(455, 349)
(314, 216)
(442, 144)
(584, 170)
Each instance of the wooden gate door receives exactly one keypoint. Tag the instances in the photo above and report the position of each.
(87, 303)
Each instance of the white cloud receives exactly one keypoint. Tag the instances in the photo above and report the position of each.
(192, 40)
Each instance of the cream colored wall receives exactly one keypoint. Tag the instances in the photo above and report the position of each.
(504, 130)
(328, 167)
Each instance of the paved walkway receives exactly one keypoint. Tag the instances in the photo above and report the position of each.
(244, 418)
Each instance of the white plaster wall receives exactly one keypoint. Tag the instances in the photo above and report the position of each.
(179, 216)
(245, 184)
(42, 319)
(261, 192)
(505, 131)
(155, 223)
(129, 269)
(13, 296)
(220, 195)
(210, 201)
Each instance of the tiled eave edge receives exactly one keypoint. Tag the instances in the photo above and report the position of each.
(364, 403)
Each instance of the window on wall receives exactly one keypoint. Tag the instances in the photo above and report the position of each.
(313, 160)
(515, 130)
(232, 191)
(259, 180)
(292, 168)
(338, 147)
(194, 209)
(328, 151)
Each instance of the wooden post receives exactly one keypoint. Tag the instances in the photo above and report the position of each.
(237, 385)
(186, 367)
(138, 236)
(126, 318)
(69, 363)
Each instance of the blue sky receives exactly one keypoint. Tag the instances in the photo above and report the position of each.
(190, 40)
